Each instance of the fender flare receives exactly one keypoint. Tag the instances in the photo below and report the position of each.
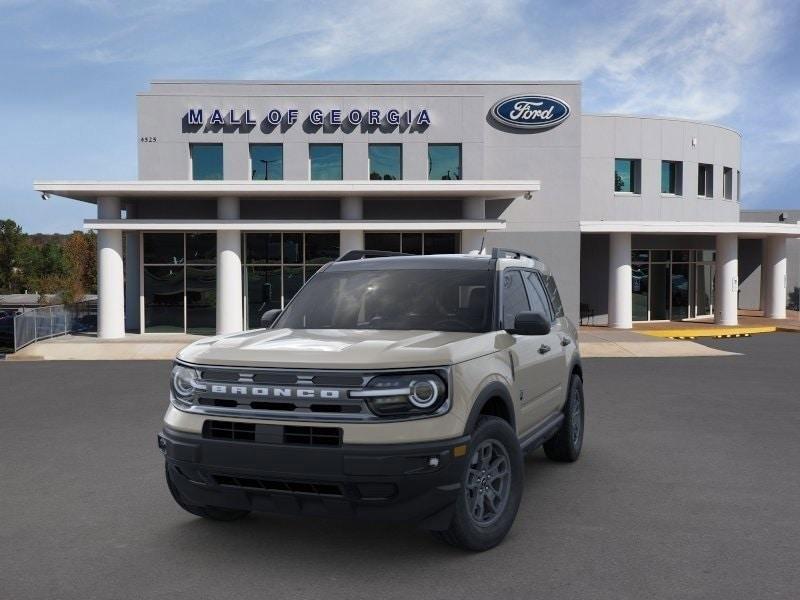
(494, 389)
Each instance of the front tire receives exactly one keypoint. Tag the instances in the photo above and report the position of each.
(491, 488)
(566, 444)
(214, 513)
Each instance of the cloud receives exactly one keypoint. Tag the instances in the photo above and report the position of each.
(689, 60)
(729, 61)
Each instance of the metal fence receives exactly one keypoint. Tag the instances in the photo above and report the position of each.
(46, 322)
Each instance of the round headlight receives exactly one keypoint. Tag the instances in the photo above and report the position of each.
(404, 394)
(423, 393)
(183, 380)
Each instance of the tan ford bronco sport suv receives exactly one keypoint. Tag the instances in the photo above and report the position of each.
(391, 387)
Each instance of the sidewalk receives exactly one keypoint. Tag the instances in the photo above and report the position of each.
(153, 346)
(595, 342)
(602, 342)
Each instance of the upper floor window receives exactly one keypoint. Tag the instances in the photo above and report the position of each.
(325, 161)
(738, 186)
(705, 180)
(385, 162)
(444, 161)
(727, 183)
(206, 161)
(627, 175)
(671, 177)
(266, 162)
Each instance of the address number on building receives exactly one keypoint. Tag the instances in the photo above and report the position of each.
(147, 139)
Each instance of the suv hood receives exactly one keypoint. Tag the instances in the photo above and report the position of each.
(339, 348)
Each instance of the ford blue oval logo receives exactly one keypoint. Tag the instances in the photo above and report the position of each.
(530, 112)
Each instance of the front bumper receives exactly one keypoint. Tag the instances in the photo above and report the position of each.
(415, 482)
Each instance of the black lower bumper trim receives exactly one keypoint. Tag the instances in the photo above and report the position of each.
(398, 482)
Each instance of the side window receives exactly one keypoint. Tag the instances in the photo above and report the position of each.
(515, 299)
(537, 295)
(555, 298)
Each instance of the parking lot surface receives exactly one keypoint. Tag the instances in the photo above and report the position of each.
(688, 487)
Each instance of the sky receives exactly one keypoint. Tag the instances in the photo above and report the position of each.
(70, 70)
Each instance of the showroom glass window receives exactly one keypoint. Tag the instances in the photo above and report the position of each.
(705, 180)
(444, 161)
(266, 162)
(180, 282)
(627, 175)
(325, 162)
(385, 162)
(671, 177)
(206, 161)
(277, 265)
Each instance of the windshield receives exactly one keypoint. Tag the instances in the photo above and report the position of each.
(429, 299)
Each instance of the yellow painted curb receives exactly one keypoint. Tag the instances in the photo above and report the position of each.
(717, 332)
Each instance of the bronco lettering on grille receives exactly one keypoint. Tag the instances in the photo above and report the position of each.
(275, 392)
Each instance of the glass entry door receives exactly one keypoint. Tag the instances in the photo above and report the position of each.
(704, 289)
(659, 292)
(680, 282)
(672, 285)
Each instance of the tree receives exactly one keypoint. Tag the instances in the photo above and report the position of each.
(12, 241)
(65, 266)
(80, 254)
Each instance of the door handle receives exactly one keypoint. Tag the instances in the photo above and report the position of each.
(544, 349)
(565, 341)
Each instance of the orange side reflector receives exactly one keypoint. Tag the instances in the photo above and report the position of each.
(460, 450)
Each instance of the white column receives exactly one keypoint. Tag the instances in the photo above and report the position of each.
(726, 281)
(132, 283)
(471, 239)
(774, 277)
(229, 271)
(620, 302)
(110, 276)
(351, 209)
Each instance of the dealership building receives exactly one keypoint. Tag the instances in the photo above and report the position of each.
(245, 189)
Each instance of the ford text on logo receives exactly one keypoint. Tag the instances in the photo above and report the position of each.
(530, 112)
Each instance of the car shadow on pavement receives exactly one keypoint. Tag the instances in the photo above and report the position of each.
(262, 538)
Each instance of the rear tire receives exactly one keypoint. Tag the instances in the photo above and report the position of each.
(214, 513)
(566, 444)
(491, 488)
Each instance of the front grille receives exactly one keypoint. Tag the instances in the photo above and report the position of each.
(233, 376)
(229, 430)
(312, 436)
(291, 487)
(351, 408)
(278, 393)
(289, 395)
(338, 380)
(272, 434)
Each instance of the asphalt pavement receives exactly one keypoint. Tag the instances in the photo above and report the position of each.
(688, 487)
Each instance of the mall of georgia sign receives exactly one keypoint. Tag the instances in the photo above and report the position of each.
(530, 112)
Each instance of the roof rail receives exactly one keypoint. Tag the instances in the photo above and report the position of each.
(511, 253)
(359, 254)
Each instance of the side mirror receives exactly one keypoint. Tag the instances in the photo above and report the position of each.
(269, 317)
(530, 323)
